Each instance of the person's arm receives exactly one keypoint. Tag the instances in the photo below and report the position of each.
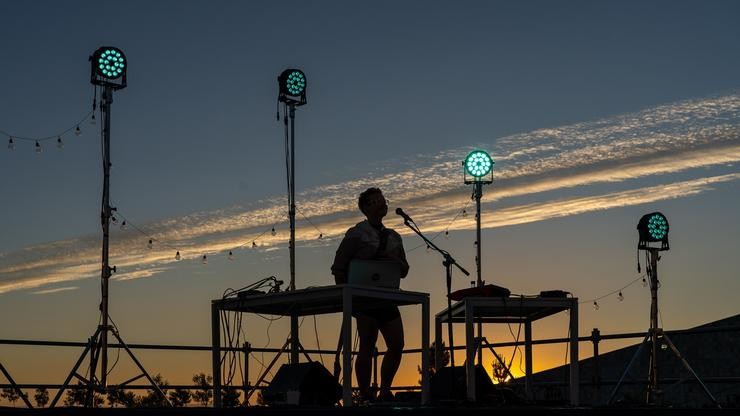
(346, 251)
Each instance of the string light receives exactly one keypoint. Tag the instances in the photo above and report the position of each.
(205, 259)
(254, 244)
(620, 296)
(447, 234)
(113, 219)
(596, 305)
(644, 282)
(177, 256)
(428, 248)
(123, 225)
(321, 236)
(39, 149)
(273, 232)
(58, 137)
(92, 120)
(231, 255)
(150, 244)
(464, 213)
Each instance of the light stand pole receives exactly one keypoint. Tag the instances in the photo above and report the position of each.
(653, 228)
(292, 93)
(479, 165)
(108, 71)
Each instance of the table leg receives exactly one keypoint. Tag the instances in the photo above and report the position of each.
(469, 352)
(347, 347)
(425, 352)
(528, 360)
(216, 354)
(574, 376)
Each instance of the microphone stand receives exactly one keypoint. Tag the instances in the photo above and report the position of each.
(448, 262)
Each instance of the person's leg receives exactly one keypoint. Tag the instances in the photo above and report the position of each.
(367, 330)
(393, 336)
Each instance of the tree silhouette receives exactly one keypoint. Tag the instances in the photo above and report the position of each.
(122, 397)
(10, 394)
(432, 353)
(230, 397)
(41, 397)
(180, 397)
(203, 394)
(78, 397)
(153, 398)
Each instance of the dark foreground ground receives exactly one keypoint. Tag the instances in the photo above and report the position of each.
(461, 410)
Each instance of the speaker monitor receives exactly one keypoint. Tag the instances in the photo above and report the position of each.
(449, 384)
(303, 384)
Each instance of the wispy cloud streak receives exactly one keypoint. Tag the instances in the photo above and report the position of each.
(543, 165)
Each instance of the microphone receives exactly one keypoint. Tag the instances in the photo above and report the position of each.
(400, 212)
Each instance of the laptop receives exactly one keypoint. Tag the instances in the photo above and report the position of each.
(374, 273)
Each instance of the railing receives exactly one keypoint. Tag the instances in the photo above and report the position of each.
(595, 339)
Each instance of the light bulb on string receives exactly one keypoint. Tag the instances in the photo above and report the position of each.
(11, 144)
(254, 244)
(78, 131)
(596, 305)
(428, 248)
(60, 143)
(321, 236)
(620, 296)
(150, 244)
(464, 213)
(204, 260)
(447, 233)
(231, 255)
(39, 149)
(123, 225)
(644, 282)
(273, 232)
(92, 120)
(177, 256)
(113, 219)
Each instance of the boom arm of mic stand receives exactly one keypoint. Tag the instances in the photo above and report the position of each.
(448, 258)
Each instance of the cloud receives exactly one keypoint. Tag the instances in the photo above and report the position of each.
(606, 161)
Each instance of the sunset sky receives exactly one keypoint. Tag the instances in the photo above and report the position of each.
(595, 113)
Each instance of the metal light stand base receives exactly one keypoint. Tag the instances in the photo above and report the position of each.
(98, 343)
(653, 335)
(14, 386)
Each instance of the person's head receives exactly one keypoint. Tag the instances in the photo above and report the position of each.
(373, 204)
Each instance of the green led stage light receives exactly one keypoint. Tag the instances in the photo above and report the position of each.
(292, 84)
(653, 228)
(108, 67)
(478, 165)
(111, 63)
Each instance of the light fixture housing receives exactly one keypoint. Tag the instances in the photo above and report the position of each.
(108, 67)
(478, 167)
(653, 228)
(292, 86)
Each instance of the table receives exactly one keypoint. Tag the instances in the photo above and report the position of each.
(316, 301)
(510, 310)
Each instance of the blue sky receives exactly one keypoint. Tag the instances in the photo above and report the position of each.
(596, 113)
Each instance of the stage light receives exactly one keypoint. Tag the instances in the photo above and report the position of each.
(292, 84)
(653, 228)
(478, 164)
(108, 67)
